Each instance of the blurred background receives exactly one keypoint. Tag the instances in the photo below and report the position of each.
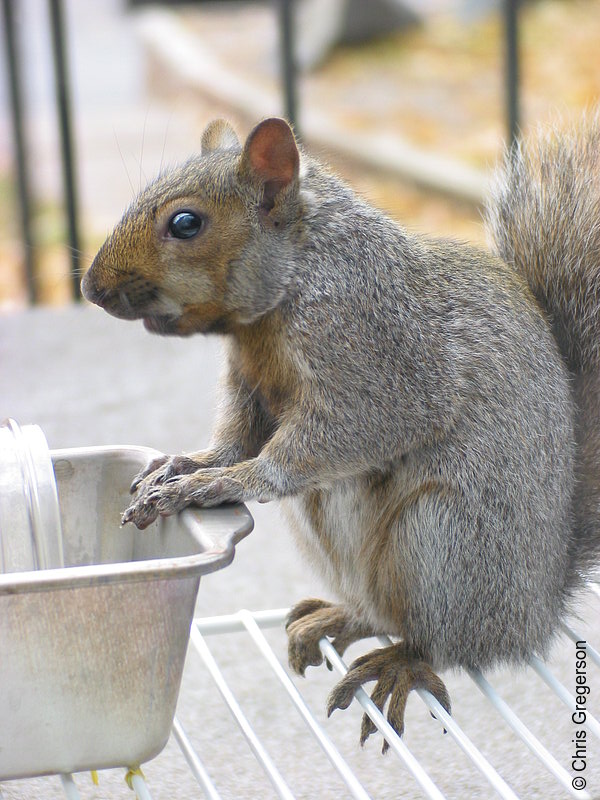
(410, 100)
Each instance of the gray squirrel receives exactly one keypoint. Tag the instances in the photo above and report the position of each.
(427, 413)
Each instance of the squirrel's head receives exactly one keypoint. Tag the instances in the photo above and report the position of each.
(203, 247)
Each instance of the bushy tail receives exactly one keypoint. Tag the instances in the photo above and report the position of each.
(544, 217)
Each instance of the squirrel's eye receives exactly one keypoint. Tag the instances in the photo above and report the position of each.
(185, 224)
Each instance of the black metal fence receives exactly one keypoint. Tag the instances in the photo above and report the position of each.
(63, 108)
(14, 64)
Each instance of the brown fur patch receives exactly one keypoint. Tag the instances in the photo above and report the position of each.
(203, 318)
(388, 583)
(264, 363)
(313, 508)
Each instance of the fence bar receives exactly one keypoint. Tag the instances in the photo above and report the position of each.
(69, 787)
(466, 745)
(15, 88)
(138, 784)
(395, 742)
(591, 723)
(63, 101)
(356, 789)
(288, 60)
(194, 763)
(536, 747)
(232, 623)
(259, 751)
(512, 68)
(461, 739)
(575, 637)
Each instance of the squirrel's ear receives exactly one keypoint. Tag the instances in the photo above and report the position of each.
(219, 135)
(270, 157)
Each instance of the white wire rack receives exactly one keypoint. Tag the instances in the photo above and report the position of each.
(254, 625)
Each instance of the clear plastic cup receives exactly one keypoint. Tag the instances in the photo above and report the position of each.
(30, 529)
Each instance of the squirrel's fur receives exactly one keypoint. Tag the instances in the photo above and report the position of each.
(427, 413)
(544, 216)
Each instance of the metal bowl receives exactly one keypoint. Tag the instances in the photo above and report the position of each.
(92, 653)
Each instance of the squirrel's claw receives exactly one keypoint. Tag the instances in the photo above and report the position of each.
(147, 506)
(153, 466)
(397, 672)
(162, 469)
(141, 513)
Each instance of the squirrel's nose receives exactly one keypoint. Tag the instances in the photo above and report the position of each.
(89, 289)
(94, 291)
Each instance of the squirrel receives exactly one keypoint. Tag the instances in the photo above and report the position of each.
(426, 412)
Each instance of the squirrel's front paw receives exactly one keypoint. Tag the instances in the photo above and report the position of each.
(161, 469)
(397, 672)
(206, 487)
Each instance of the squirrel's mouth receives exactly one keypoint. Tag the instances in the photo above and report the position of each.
(192, 319)
(163, 324)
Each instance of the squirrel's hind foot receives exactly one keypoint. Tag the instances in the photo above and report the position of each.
(311, 620)
(397, 671)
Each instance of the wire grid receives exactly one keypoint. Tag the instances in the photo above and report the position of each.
(253, 625)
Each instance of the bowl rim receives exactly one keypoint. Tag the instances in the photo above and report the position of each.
(219, 529)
